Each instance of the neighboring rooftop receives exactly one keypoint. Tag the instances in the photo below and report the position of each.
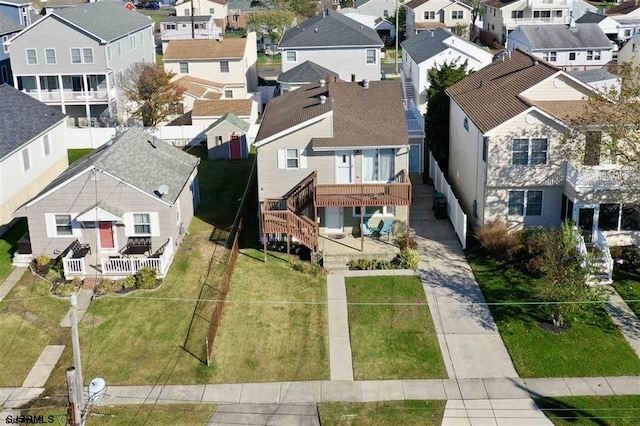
(140, 160)
(222, 2)
(233, 119)
(594, 75)
(306, 72)
(197, 87)
(581, 36)
(372, 116)
(217, 108)
(426, 44)
(491, 95)
(499, 3)
(624, 8)
(205, 49)
(197, 18)
(8, 25)
(52, 4)
(370, 21)
(591, 18)
(22, 118)
(107, 19)
(330, 28)
(248, 5)
(17, 2)
(358, 3)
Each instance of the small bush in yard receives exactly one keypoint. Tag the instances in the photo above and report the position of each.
(407, 259)
(146, 278)
(128, 282)
(496, 239)
(53, 276)
(107, 286)
(306, 267)
(362, 264)
(77, 281)
(384, 264)
(42, 262)
(406, 241)
(65, 289)
(631, 258)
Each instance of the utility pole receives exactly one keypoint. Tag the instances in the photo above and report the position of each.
(74, 375)
(193, 25)
(397, 32)
(74, 409)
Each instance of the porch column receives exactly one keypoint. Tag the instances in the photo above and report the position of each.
(64, 109)
(361, 228)
(38, 87)
(15, 81)
(109, 105)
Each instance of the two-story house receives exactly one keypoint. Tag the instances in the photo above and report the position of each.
(608, 26)
(425, 15)
(509, 158)
(334, 157)
(73, 59)
(379, 8)
(32, 149)
(432, 49)
(500, 17)
(229, 66)
(572, 47)
(19, 11)
(333, 41)
(8, 28)
(627, 15)
(190, 28)
(215, 8)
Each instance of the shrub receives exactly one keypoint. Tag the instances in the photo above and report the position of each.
(631, 258)
(65, 289)
(53, 276)
(384, 264)
(407, 259)
(146, 278)
(361, 264)
(107, 286)
(533, 246)
(496, 239)
(307, 267)
(128, 282)
(42, 261)
(406, 241)
(77, 282)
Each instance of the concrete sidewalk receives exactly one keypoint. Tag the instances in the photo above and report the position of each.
(340, 360)
(84, 300)
(43, 367)
(626, 320)
(265, 414)
(11, 281)
(469, 339)
(516, 412)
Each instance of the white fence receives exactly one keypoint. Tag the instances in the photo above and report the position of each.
(88, 137)
(73, 266)
(95, 137)
(456, 215)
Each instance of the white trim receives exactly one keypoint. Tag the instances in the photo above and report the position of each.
(361, 148)
(26, 55)
(524, 208)
(376, 59)
(132, 228)
(385, 212)
(286, 158)
(286, 57)
(97, 214)
(55, 56)
(351, 162)
(529, 151)
(54, 189)
(292, 129)
(82, 61)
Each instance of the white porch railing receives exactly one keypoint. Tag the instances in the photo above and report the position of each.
(131, 265)
(456, 215)
(599, 177)
(581, 247)
(601, 241)
(73, 266)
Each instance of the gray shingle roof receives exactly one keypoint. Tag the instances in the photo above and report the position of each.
(306, 72)
(107, 19)
(230, 118)
(18, 2)
(563, 37)
(330, 28)
(590, 76)
(132, 158)
(22, 118)
(8, 25)
(590, 18)
(426, 44)
(248, 5)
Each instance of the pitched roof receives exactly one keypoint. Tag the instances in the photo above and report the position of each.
(230, 118)
(17, 2)
(426, 44)
(591, 18)
(371, 116)
(593, 75)
(581, 36)
(205, 49)
(499, 3)
(197, 87)
(358, 3)
(132, 158)
(248, 5)
(623, 8)
(22, 118)
(330, 28)
(107, 19)
(491, 95)
(306, 72)
(213, 108)
(222, 2)
(8, 25)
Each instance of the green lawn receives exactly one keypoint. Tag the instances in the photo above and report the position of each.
(392, 341)
(8, 245)
(388, 413)
(75, 154)
(27, 326)
(593, 346)
(269, 59)
(627, 285)
(592, 410)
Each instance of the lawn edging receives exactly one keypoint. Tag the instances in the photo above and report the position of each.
(381, 273)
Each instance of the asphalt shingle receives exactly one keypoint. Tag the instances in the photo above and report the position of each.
(590, 18)
(426, 44)
(581, 36)
(306, 72)
(8, 25)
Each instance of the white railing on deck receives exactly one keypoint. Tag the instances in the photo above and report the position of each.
(599, 177)
(166, 257)
(131, 265)
(456, 215)
(581, 246)
(601, 241)
(72, 266)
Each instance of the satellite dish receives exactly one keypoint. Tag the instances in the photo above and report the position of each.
(163, 190)
(97, 388)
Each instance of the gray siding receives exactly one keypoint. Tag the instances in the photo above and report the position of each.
(143, 52)
(344, 61)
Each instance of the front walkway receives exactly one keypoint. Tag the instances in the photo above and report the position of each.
(340, 360)
(468, 336)
(626, 320)
(10, 282)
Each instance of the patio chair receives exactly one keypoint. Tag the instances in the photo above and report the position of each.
(366, 230)
(385, 229)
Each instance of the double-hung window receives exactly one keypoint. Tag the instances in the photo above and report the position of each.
(26, 161)
(32, 57)
(457, 14)
(593, 55)
(371, 56)
(76, 56)
(525, 203)
(87, 55)
(46, 145)
(184, 67)
(529, 152)
(292, 56)
(550, 56)
(50, 56)
(379, 165)
(429, 15)
(132, 41)
(224, 66)
(228, 94)
(293, 159)
(142, 223)
(517, 14)
(5, 48)
(63, 225)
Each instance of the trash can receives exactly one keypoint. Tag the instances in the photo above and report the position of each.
(437, 196)
(440, 209)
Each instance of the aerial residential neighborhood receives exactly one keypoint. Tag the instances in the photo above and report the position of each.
(319, 213)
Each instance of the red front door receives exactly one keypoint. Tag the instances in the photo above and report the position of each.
(106, 235)
(235, 147)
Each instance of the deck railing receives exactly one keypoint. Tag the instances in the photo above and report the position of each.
(131, 265)
(601, 241)
(397, 192)
(73, 266)
(302, 194)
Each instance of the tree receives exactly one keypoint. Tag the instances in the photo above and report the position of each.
(402, 21)
(150, 90)
(437, 116)
(476, 12)
(272, 23)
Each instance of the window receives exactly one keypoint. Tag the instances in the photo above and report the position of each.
(5, 48)
(293, 159)
(627, 33)
(530, 152)
(82, 56)
(292, 56)
(493, 27)
(142, 223)
(32, 57)
(593, 55)
(187, 12)
(549, 56)
(4, 74)
(218, 140)
(177, 213)
(457, 14)
(132, 41)
(485, 148)
(184, 67)
(572, 56)
(465, 124)
(50, 56)
(557, 13)
(429, 15)
(520, 152)
(169, 26)
(76, 57)
(378, 165)
(371, 56)
(224, 66)
(63, 225)
(141, 39)
(26, 161)
(108, 53)
(119, 49)
(385, 13)
(609, 217)
(211, 11)
(375, 211)
(630, 220)
(517, 14)
(47, 147)
(525, 203)
(542, 14)
(228, 94)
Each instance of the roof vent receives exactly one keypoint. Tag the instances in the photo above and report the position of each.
(323, 99)
(322, 83)
(365, 83)
(162, 190)
(315, 30)
(535, 61)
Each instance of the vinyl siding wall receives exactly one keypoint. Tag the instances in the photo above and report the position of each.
(224, 130)
(344, 61)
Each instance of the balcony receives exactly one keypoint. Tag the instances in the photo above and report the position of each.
(395, 193)
(545, 4)
(415, 120)
(589, 178)
(72, 96)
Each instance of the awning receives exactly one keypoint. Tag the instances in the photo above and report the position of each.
(101, 212)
